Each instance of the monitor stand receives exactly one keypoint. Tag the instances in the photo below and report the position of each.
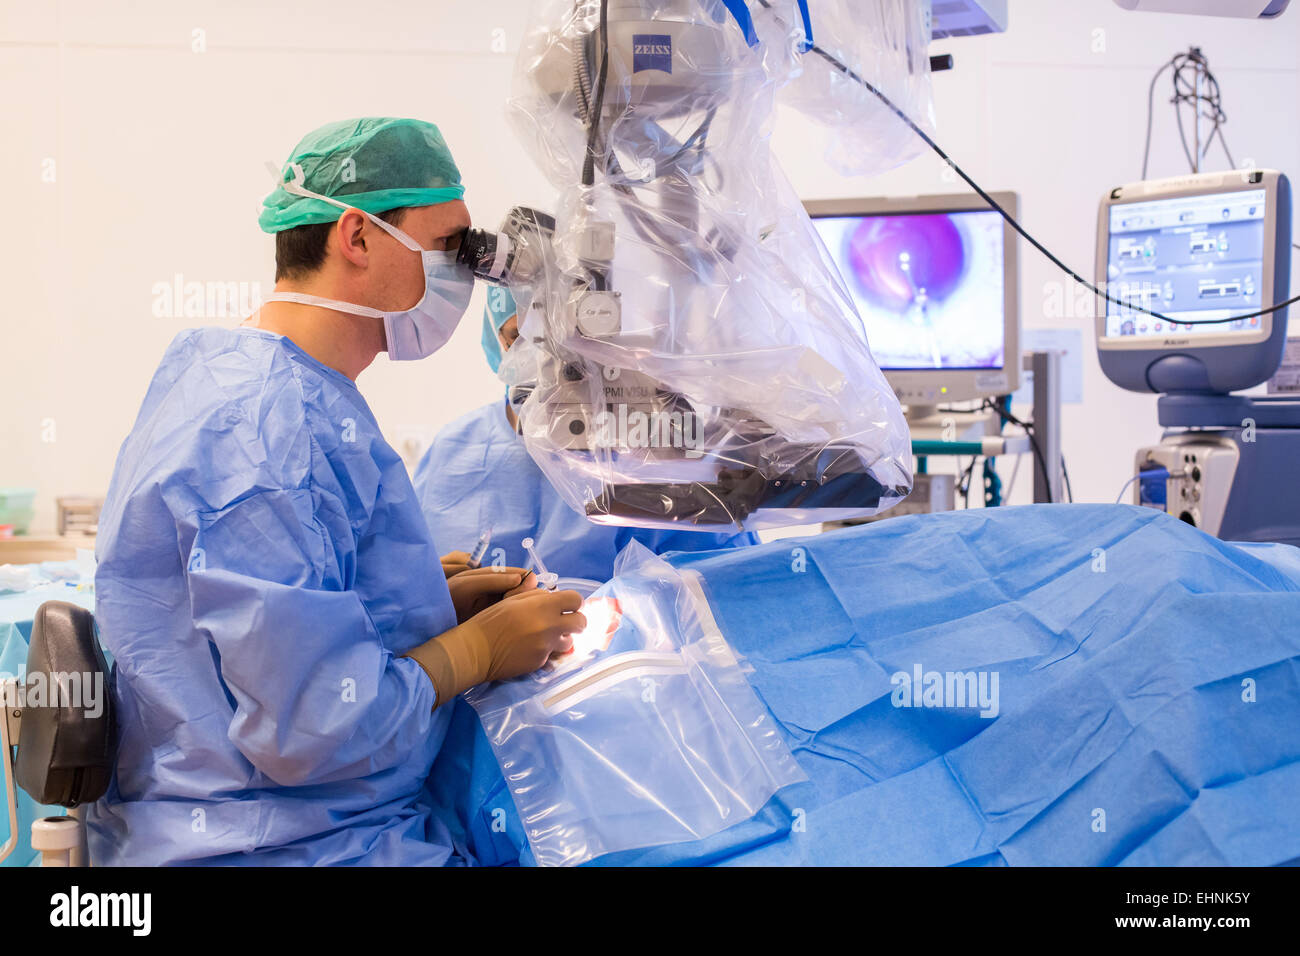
(1186, 410)
(928, 422)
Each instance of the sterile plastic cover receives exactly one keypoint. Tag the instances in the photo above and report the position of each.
(733, 318)
(647, 733)
(886, 43)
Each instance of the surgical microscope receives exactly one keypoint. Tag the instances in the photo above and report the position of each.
(688, 356)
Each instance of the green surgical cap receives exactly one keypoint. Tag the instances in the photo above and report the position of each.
(374, 164)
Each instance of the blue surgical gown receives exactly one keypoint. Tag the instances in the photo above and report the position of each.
(263, 562)
(477, 474)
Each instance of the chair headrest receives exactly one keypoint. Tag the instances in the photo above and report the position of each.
(67, 742)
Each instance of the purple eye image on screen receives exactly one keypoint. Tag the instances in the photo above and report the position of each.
(906, 262)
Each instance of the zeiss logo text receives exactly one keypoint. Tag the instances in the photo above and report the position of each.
(652, 51)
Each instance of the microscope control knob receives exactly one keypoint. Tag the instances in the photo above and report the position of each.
(599, 314)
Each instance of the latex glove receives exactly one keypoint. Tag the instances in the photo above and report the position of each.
(513, 637)
(477, 589)
(454, 563)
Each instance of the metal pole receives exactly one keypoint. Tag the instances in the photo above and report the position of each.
(9, 723)
(1046, 367)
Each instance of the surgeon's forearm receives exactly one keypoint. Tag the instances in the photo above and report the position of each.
(455, 661)
(336, 707)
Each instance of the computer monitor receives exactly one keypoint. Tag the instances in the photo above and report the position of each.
(936, 281)
(1194, 248)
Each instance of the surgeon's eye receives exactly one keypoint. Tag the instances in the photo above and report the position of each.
(453, 242)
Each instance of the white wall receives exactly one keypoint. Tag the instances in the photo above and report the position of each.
(154, 120)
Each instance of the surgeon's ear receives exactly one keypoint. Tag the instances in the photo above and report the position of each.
(350, 238)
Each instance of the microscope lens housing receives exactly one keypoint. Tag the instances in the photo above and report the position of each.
(512, 255)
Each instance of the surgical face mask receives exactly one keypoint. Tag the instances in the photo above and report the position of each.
(417, 332)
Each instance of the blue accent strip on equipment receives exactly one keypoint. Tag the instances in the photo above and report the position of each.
(740, 10)
(807, 26)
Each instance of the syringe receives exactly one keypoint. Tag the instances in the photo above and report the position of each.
(480, 549)
(547, 578)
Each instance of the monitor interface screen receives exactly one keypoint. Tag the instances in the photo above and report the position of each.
(1187, 257)
(928, 285)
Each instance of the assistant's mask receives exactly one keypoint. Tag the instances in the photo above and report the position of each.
(417, 332)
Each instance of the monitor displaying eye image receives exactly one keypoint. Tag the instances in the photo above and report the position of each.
(928, 285)
(1186, 257)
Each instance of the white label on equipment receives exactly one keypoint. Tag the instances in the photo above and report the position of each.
(1069, 342)
(1286, 380)
(991, 381)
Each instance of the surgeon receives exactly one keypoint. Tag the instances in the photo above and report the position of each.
(284, 633)
(477, 476)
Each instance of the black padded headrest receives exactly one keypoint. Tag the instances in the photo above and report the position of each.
(67, 743)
